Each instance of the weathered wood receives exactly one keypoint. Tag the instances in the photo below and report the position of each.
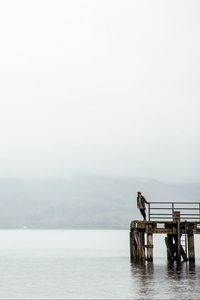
(178, 240)
(137, 245)
(149, 246)
(176, 216)
(163, 230)
(141, 246)
(191, 251)
(166, 227)
(170, 247)
(133, 247)
(183, 254)
(174, 229)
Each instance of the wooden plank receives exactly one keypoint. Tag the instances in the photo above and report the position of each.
(137, 244)
(163, 230)
(183, 254)
(191, 251)
(141, 229)
(170, 247)
(141, 246)
(150, 247)
(178, 239)
(133, 247)
(142, 224)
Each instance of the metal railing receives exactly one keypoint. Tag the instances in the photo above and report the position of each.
(167, 210)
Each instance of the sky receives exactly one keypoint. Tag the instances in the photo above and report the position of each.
(109, 87)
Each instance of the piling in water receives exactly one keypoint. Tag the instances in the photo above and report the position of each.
(179, 239)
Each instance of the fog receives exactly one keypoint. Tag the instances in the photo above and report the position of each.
(107, 87)
(82, 201)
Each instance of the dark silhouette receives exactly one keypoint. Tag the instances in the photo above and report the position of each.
(141, 204)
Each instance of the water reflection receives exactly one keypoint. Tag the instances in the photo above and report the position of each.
(143, 273)
(145, 269)
(165, 280)
(181, 270)
(142, 268)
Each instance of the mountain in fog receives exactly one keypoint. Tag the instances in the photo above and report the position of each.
(82, 201)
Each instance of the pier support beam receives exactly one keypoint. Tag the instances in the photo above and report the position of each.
(149, 247)
(170, 247)
(179, 240)
(139, 238)
(191, 251)
(135, 252)
(133, 247)
(142, 246)
(137, 246)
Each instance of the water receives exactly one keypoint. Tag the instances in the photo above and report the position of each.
(88, 264)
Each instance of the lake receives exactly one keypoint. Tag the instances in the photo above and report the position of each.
(89, 264)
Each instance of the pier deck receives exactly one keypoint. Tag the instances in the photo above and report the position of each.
(168, 227)
(179, 232)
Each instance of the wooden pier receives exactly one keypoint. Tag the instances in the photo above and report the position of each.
(179, 233)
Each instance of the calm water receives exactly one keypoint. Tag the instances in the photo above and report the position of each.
(93, 264)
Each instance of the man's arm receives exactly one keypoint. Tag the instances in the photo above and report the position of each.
(145, 200)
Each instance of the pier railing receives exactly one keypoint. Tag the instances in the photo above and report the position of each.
(170, 210)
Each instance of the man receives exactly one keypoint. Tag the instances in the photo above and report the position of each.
(141, 204)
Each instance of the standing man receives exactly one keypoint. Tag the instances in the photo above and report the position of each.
(141, 204)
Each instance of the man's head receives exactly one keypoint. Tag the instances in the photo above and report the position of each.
(139, 193)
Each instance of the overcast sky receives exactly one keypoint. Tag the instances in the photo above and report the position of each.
(109, 87)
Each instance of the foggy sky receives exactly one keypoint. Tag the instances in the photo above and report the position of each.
(109, 87)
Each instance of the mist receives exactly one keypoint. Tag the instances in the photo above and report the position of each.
(104, 87)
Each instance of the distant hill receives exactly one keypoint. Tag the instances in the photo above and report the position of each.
(82, 201)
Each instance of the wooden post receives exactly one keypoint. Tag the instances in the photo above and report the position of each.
(183, 254)
(178, 254)
(137, 245)
(133, 247)
(149, 246)
(176, 216)
(191, 251)
(170, 247)
(141, 246)
(141, 239)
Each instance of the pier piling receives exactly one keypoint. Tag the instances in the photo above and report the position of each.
(179, 221)
(191, 249)
(141, 239)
